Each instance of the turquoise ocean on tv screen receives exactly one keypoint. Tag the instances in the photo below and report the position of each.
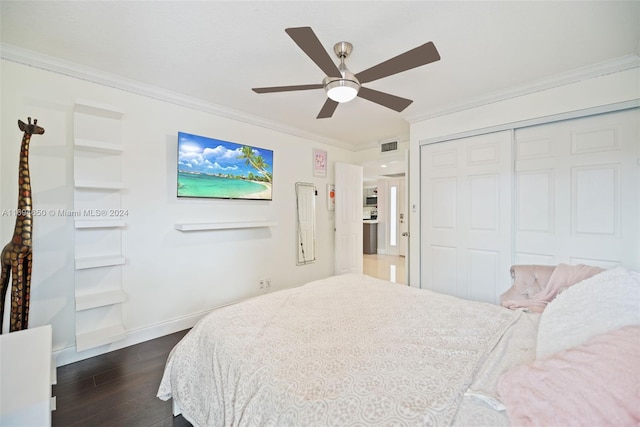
(193, 185)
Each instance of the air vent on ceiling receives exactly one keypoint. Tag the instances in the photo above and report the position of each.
(388, 146)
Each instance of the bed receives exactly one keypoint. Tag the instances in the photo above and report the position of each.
(354, 350)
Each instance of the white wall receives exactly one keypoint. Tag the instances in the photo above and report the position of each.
(588, 93)
(170, 277)
(373, 154)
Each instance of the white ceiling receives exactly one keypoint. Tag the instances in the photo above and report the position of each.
(217, 51)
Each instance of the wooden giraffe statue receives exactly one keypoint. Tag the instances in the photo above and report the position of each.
(16, 255)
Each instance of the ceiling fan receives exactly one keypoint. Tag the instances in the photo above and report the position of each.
(340, 84)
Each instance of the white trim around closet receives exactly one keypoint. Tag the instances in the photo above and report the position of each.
(609, 108)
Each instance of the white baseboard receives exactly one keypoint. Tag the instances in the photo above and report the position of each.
(69, 355)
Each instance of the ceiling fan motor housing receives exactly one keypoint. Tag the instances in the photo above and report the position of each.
(343, 49)
(346, 88)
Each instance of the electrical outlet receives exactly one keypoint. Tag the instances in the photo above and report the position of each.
(267, 283)
(261, 283)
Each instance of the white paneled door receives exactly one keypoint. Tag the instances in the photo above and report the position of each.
(348, 242)
(562, 192)
(577, 188)
(466, 241)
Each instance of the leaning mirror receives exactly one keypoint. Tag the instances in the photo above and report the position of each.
(306, 222)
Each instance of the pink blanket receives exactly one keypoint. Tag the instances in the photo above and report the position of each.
(549, 281)
(594, 384)
(527, 281)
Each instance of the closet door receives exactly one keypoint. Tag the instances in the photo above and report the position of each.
(577, 188)
(465, 242)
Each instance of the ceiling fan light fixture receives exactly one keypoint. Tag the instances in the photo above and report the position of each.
(342, 90)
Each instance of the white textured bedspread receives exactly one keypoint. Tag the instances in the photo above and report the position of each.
(347, 350)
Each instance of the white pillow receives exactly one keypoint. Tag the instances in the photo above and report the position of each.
(599, 304)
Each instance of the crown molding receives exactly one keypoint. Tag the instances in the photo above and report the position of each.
(70, 69)
(37, 60)
(616, 65)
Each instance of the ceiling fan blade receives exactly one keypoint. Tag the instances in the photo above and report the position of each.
(413, 58)
(285, 88)
(327, 109)
(386, 100)
(306, 39)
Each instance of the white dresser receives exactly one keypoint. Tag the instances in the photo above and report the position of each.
(27, 372)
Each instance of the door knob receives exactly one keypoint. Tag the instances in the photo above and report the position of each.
(405, 234)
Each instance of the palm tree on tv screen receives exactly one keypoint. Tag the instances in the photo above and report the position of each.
(256, 161)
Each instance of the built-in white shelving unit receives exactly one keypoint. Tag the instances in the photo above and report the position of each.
(191, 226)
(97, 173)
(98, 146)
(94, 108)
(99, 261)
(98, 185)
(98, 337)
(99, 299)
(100, 223)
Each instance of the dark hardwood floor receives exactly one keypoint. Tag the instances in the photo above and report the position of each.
(117, 388)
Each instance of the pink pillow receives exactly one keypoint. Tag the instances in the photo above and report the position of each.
(595, 383)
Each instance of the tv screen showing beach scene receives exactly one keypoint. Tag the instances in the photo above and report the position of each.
(212, 168)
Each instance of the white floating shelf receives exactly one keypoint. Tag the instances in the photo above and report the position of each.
(100, 337)
(98, 185)
(99, 299)
(97, 108)
(99, 146)
(100, 223)
(223, 225)
(101, 261)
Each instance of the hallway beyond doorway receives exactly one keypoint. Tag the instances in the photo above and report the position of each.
(386, 267)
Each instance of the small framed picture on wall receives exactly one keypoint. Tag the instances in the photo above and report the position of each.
(319, 163)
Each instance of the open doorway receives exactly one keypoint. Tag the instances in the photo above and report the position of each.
(385, 185)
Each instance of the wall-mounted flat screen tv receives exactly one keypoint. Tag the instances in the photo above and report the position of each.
(212, 168)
